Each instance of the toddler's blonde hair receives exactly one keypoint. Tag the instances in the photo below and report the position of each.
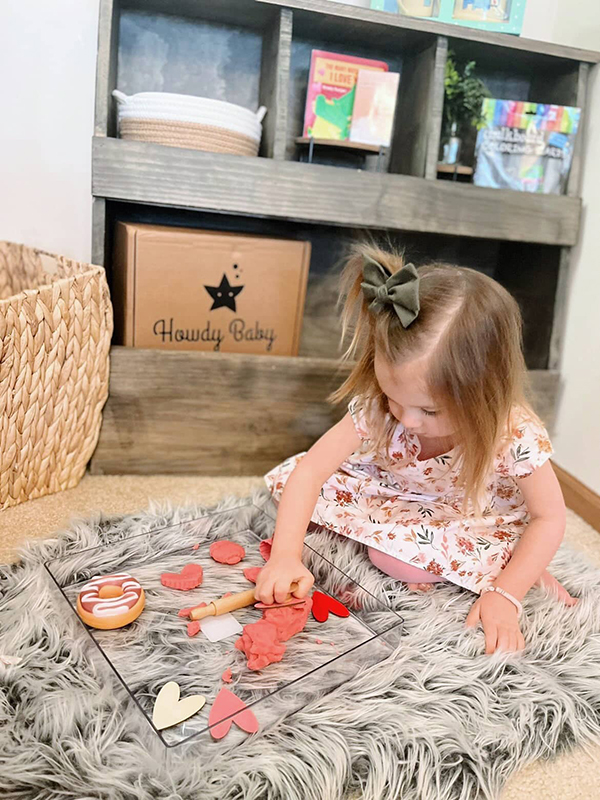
(470, 329)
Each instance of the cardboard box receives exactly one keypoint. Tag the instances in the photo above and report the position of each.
(189, 289)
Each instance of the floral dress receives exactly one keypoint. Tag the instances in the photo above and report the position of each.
(412, 510)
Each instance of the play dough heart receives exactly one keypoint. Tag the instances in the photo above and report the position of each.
(170, 710)
(227, 703)
(189, 578)
(323, 604)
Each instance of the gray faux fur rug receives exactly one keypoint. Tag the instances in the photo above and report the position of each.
(436, 721)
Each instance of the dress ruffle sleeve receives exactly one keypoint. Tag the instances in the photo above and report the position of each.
(529, 448)
(356, 410)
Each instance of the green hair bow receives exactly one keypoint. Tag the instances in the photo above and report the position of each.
(400, 290)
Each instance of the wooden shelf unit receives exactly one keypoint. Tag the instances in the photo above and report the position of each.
(169, 176)
(272, 41)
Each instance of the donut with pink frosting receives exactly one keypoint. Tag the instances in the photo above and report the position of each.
(110, 601)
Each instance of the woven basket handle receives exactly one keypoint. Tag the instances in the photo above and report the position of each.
(121, 97)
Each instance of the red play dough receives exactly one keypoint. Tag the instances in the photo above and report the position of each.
(262, 641)
(195, 546)
(251, 573)
(185, 612)
(189, 578)
(226, 676)
(322, 604)
(226, 552)
(193, 627)
(265, 548)
(226, 703)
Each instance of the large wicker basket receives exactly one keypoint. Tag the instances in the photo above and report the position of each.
(55, 331)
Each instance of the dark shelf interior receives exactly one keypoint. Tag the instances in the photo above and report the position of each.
(529, 271)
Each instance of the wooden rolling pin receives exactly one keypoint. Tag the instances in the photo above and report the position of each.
(230, 603)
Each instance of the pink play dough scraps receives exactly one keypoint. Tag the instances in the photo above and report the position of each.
(262, 641)
(226, 552)
(251, 573)
(226, 677)
(264, 548)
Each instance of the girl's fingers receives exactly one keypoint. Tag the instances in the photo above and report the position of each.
(473, 615)
(281, 591)
(264, 593)
(520, 641)
(491, 638)
(304, 585)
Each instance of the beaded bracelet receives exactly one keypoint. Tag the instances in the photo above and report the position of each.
(506, 594)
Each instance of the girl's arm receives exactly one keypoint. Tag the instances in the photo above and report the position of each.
(542, 537)
(295, 510)
(532, 554)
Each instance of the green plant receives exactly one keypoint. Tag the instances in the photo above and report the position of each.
(464, 95)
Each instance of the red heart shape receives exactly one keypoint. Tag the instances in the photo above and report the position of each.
(227, 703)
(323, 604)
(189, 578)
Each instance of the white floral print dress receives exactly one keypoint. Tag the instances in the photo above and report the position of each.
(411, 510)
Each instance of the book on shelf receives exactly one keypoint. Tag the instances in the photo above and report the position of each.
(331, 92)
(525, 146)
(374, 107)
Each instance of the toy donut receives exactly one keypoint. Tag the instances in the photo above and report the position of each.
(110, 601)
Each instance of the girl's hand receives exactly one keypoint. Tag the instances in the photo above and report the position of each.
(276, 577)
(500, 622)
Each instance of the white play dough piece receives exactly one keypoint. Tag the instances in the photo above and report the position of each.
(220, 627)
(170, 710)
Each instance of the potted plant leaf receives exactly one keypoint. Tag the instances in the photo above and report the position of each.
(463, 100)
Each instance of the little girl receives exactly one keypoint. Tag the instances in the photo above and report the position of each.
(440, 465)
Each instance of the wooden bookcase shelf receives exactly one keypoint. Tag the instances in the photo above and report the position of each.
(223, 413)
(169, 176)
(257, 52)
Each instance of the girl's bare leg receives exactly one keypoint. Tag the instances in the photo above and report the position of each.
(550, 583)
(414, 577)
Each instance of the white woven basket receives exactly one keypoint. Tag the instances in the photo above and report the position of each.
(186, 121)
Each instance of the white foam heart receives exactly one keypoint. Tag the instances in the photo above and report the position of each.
(170, 710)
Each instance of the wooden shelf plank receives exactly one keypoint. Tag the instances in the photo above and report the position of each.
(169, 176)
(344, 145)
(360, 17)
(215, 414)
(211, 413)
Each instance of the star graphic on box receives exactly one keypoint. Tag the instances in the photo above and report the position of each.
(224, 294)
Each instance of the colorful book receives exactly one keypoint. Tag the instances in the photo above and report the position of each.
(374, 107)
(331, 90)
(525, 146)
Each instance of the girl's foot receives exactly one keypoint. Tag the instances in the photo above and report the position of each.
(420, 587)
(549, 582)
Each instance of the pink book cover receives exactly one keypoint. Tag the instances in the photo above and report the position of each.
(374, 107)
(330, 95)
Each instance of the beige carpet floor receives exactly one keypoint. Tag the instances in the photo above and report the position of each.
(574, 776)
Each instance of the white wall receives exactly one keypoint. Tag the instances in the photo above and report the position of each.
(577, 435)
(47, 70)
(47, 75)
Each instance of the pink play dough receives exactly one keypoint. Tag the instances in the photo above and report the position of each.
(265, 548)
(251, 573)
(226, 676)
(226, 552)
(262, 641)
